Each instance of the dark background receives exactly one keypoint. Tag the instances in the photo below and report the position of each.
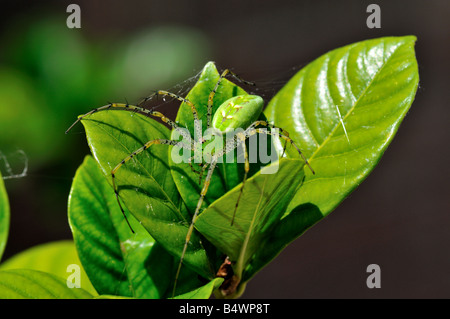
(397, 218)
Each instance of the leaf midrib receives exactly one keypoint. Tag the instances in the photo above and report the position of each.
(240, 262)
(104, 201)
(330, 135)
(147, 172)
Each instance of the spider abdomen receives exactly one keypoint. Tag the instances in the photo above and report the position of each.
(238, 112)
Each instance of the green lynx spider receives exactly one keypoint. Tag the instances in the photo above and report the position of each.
(240, 111)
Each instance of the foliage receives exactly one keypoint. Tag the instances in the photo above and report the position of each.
(343, 110)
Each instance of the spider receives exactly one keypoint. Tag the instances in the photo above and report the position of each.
(238, 114)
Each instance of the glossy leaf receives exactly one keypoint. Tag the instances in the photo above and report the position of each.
(4, 216)
(33, 284)
(263, 202)
(145, 183)
(117, 261)
(345, 108)
(53, 258)
(203, 292)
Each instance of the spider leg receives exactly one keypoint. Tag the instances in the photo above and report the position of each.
(126, 159)
(200, 173)
(181, 99)
(267, 124)
(197, 125)
(271, 126)
(252, 131)
(192, 167)
(239, 139)
(133, 108)
(213, 92)
(242, 139)
(194, 218)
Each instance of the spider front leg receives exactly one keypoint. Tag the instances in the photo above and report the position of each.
(251, 131)
(194, 218)
(238, 140)
(200, 173)
(241, 137)
(197, 126)
(271, 126)
(133, 108)
(213, 92)
(192, 167)
(129, 157)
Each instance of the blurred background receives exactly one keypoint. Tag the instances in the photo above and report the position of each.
(398, 218)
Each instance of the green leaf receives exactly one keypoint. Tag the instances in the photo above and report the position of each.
(203, 292)
(4, 216)
(288, 228)
(345, 108)
(52, 258)
(112, 297)
(264, 200)
(33, 284)
(97, 229)
(145, 183)
(117, 261)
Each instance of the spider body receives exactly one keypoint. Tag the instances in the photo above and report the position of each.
(238, 114)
